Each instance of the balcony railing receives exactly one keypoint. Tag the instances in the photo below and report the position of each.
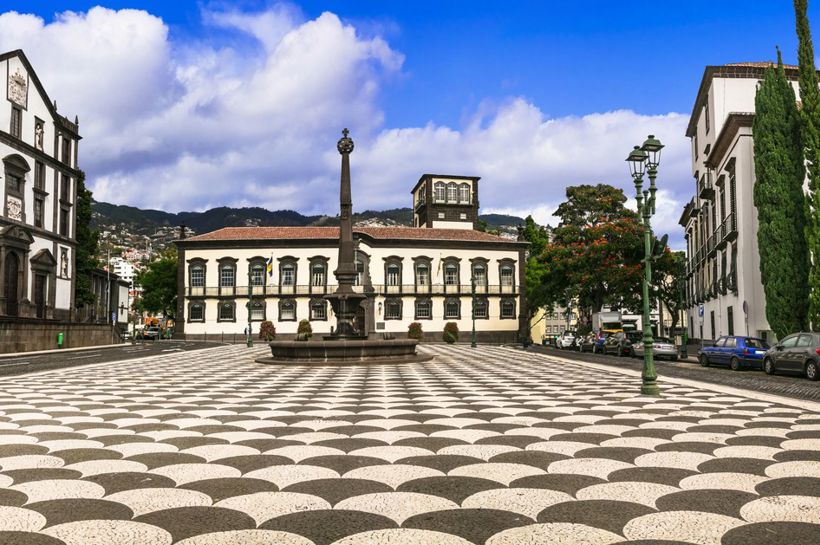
(380, 289)
(710, 245)
(705, 188)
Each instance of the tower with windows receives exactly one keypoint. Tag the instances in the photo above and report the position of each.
(445, 201)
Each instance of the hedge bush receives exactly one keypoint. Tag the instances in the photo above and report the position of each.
(450, 334)
(267, 331)
(415, 331)
(304, 330)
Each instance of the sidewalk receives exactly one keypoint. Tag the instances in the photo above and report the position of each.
(58, 350)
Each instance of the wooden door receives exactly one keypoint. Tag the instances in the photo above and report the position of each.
(40, 295)
(12, 272)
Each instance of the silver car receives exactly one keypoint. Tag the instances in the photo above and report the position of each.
(661, 348)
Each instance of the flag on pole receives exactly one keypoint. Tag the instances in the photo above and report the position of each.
(269, 266)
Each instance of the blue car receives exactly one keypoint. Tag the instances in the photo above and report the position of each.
(735, 351)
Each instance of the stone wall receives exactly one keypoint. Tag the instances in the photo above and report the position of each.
(482, 337)
(25, 335)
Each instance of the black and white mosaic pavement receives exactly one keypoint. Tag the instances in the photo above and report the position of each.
(487, 446)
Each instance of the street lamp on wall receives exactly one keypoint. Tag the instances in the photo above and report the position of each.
(645, 159)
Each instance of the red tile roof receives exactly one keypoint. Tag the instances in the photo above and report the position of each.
(332, 233)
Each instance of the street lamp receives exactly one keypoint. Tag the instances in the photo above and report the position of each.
(645, 159)
(472, 291)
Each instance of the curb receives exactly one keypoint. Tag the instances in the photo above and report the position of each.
(812, 406)
(60, 350)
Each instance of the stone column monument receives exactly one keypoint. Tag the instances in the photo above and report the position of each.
(345, 301)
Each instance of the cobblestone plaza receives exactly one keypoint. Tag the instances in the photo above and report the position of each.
(485, 446)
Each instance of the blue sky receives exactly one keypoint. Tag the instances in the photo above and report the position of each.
(425, 86)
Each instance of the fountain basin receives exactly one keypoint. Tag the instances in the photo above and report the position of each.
(344, 352)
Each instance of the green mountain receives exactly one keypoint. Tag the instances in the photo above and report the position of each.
(146, 222)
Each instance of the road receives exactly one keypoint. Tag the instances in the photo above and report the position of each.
(19, 365)
(793, 386)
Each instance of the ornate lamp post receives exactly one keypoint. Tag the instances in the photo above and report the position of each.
(472, 291)
(642, 159)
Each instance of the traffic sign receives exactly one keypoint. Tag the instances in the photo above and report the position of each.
(700, 311)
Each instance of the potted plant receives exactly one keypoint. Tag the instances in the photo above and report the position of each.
(450, 334)
(414, 331)
(304, 332)
(267, 331)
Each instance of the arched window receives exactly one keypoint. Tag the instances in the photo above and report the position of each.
(287, 310)
(422, 274)
(257, 274)
(393, 274)
(480, 274)
(451, 274)
(392, 309)
(507, 275)
(424, 309)
(257, 311)
(197, 279)
(481, 309)
(452, 192)
(227, 311)
(227, 276)
(359, 272)
(507, 308)
(317, 275)
(464, 193)
(440, 192)
(287, 275)
(452, 308)
(196, 312)
(318, 309)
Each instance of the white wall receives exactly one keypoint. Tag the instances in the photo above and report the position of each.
(377, 275)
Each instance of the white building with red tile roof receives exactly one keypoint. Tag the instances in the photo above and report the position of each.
(410, 274)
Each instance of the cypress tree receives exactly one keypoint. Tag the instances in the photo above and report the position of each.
(780, 202)
(810, 116)
(87, 239)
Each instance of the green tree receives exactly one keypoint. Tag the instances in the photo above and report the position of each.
(159, 285)
(595, 253)
(87, 242)
(780, 203)
(537, 297)
(810, 116)
(669, 277)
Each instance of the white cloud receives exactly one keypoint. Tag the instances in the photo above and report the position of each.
(253, 120)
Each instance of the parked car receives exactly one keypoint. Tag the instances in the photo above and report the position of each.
(662, 347)
(620, 344)
(151, 333)
(586, 343)
(600, 341)
(566, 340)
(797, 353)
(735, 351)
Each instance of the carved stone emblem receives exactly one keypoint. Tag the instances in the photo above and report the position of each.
(14, 206)
(18, 89)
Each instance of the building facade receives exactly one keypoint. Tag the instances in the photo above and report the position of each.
(38, 149)
(720, 221)
(409, 274)
(123, 269)
(445, 202)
